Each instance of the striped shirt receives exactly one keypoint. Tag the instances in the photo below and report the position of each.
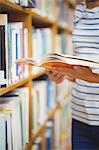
(85, 96)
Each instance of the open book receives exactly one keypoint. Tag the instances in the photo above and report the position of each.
(55, 59)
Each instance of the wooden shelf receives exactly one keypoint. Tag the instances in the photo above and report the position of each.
(59, 106)
(20, 83)
(13, 86)
(37, 132)
(40, 21)
(34, 76)
(71, 3)
(9, 7)
(63, 28)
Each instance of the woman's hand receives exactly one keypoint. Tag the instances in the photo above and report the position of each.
(55, 76)
(79, 72)
(58, 74)
(68, 72)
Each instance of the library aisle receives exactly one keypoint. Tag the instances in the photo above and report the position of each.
(34, 111)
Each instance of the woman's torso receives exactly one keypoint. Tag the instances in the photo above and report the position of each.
(85, 101)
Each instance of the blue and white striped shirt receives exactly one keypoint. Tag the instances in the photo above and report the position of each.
(85, 101)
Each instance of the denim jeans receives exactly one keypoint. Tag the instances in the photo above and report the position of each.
(84, 137)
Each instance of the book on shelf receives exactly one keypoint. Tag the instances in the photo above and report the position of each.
(13, 45)
(42, 41)
(44, 8)
(37, 143)
(23, 93)
(14, 1)
(5, 130)
(65, 127)
(14, 115)
(24, 3)
(62, 12)
(13, 125)
(44, 98)
(28, 3)
(61, 43)
(49, 135)
(3, 49)
(55, 59)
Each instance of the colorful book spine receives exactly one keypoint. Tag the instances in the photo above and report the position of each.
(13, 45)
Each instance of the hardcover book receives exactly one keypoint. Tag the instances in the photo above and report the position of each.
(55, 59)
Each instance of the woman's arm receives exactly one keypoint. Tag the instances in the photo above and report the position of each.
(79, 72)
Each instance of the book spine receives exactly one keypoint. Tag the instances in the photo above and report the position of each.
(2, 132)
(25, 51)
(3, 57)
(48, 139)
(24, 3)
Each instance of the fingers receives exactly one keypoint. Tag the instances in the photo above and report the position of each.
(68, 72)
(77, 72)
(56, 77)
(65, 70)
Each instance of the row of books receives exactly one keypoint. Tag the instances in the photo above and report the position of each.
(45, 8)
(42, 41)
(14, 113)
(63, 128)
(45, 95)
(61, 43)
(49, 137)
(62, 12)
(25, 3)
(57, 131)
(44, 38)
(42, 7)
(44, 98)
(14, 126)
(55, 10)
(14, 45)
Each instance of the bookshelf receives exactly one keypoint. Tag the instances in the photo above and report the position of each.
(31, 18)
(40, 129)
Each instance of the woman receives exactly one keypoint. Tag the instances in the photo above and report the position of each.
(85, 92)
